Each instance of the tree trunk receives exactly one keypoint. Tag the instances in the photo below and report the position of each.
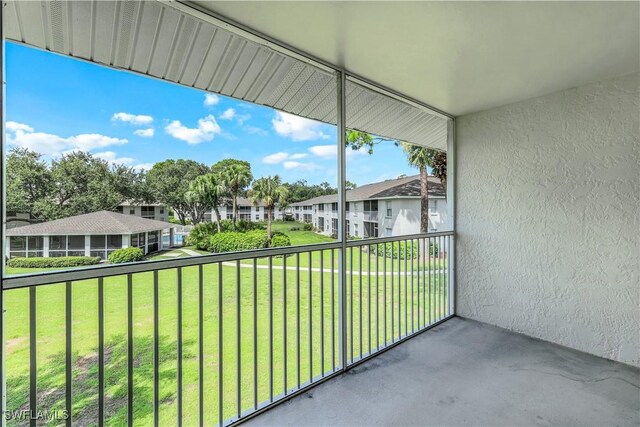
(269, 213)
(234, 208)
(217, 211)
(424, 201)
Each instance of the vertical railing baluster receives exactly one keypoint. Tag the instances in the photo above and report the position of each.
(384, 290)
(270, 329)
(406, 286)
(100, 352)
(443, 277)
(413, 296)
(351, 298)
(220, 349)
(393, 310)
(33, 357)
(321, 313)
(179, 339)
(361, 352)
(377, 257)
(310, 321)
(369, 298)
(284, 321)
(255, 333)
(333, 313)
(298, 317)
(399, 293)
(129, 349)
(430, 251)
(156, 352)
(238, 343)
(200, 345)
(68, 354)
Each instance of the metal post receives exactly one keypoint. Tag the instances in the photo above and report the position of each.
(342, 204)
(451, 206)
(3, 388)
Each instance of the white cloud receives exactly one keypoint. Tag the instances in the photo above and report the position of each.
(297, 128)
(211, 99)
(228, 114)
(14, 127)
(324, 151)
(275, 158)
(145, 133)
(300, 165)
(281, 157)
(112, 157)
(143, 166)
(133, 119)
(24, 136)
(253, 130)
(206, 130)
(331, 151)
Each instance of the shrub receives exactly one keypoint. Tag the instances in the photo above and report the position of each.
(231, 241)
(279, 239)
(433, 249)
(294, 229)
(199, 235)
(391, 250)
(307, 227)
(126, 255)
(52, 262)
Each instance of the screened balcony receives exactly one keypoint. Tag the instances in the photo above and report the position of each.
(523, 311)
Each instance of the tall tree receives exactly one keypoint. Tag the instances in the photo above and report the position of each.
(169, 182)
(236, 177)
(270, 191)
(209, 191)
(417, 156)
(28, 181)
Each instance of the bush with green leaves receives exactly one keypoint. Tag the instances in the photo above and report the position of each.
(200, 234)
(307, 227)
(232, 241)
(396, 250)
(126, 255)
(279, 239)
(52, 262)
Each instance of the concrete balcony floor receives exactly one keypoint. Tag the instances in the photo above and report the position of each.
(468, 373)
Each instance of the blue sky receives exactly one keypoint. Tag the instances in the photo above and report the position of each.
(57, 104)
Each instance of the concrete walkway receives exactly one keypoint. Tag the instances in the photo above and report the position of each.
(464, 373)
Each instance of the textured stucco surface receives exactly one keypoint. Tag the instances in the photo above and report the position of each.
(548, 218)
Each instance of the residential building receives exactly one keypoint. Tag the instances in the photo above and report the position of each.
(381, 209)
(247, 211)
(93, 234)
(156, 211)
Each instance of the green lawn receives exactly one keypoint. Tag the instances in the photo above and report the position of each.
(387, 293)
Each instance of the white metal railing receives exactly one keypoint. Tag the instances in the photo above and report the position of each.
(215, 338)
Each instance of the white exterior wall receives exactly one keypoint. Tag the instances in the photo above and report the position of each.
(548, 218)
(256, 212)
(161, 213)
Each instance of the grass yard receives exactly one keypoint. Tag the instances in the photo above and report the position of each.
(317, 333)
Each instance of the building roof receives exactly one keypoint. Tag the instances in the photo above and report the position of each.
(101, 222)
(408, 186)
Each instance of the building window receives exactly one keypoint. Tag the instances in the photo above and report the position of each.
(433, 205)
(257, 217)
(321, 207)
(17, 247)
(148, 212)
(334, 226)
(334, 207)
(348, 206)
(161, 211)
(389, 210)
(132, 211)
(348, 228)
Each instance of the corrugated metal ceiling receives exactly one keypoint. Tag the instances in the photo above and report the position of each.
(158, 40)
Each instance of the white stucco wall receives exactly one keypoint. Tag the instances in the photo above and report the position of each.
(548, 218)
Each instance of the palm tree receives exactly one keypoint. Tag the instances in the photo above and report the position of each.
(235, 178)
(270, 191)
(210, 190)
(421, 157)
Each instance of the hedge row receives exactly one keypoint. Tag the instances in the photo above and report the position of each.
(401, 251)
(233, 241)
(126, 255)
(200, 234)
(52, 262)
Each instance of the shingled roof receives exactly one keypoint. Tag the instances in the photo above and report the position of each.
(408, 186)
(101, 222)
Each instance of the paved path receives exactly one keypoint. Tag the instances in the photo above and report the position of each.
(317, 269)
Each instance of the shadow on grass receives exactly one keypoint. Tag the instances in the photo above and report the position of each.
(51, 382)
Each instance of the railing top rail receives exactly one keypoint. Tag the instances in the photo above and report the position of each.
(94, 272)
